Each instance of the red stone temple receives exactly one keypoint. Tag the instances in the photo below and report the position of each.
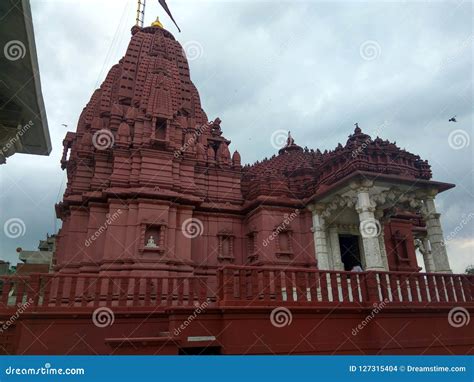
(170, 246)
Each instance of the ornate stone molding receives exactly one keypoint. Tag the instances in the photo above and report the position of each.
(337, 202)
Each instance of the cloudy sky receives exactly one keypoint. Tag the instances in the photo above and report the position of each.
(400, 69)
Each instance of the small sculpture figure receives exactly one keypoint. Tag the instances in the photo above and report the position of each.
(216, 127)
(290, 141)
(421, 247)
(151, 243)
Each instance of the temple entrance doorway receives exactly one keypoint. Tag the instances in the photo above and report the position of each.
(350, 253)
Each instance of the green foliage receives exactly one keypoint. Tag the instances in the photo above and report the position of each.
(470, 270)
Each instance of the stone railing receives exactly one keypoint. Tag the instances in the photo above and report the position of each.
(255, 286)
(235, 286)
(76, 292)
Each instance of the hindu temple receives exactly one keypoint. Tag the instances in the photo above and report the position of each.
(160, 218)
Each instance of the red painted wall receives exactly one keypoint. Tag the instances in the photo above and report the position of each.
(399, 244)
(250, 331)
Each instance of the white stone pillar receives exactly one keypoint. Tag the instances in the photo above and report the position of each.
(381, 237)
(335, 249)
(370, 229)
(383, 250)
(320, 241)
(427, 256)
(436, 238)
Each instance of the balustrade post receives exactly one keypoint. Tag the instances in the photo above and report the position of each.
(35, 287)
(301, 291)
(468, 287)
(371, 287)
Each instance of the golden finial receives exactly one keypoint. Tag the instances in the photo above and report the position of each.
(157, 23)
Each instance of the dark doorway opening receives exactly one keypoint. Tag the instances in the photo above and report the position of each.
(161, 125)
(350, 254)
(211, 350)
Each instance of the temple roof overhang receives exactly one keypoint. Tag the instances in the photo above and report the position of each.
(382, 180)
(23, 121)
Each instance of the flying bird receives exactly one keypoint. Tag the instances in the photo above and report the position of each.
(452, 119)
(63, 124)
(167, 10)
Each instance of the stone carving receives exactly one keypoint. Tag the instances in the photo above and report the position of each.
(151, 243)
(315, 169)
(420, 246)
(236, 160)
(216, 127)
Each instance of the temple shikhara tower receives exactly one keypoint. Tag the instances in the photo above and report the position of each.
(162, 222)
